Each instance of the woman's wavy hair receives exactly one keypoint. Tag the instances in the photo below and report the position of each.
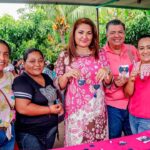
(94, 46)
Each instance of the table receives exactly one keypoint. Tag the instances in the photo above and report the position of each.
(123, 143)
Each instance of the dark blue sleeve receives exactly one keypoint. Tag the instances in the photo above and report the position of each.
(22, 88)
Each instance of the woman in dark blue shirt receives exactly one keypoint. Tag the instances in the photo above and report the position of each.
(37, 113)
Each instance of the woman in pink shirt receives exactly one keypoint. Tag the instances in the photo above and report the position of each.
(138, 87)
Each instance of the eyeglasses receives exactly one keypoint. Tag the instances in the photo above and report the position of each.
(33, 62)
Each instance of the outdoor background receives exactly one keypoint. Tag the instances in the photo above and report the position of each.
(47, 27)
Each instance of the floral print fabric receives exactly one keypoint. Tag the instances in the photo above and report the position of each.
(86, 117)
(6, 114)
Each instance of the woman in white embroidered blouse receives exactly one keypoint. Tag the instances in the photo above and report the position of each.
(7, 115)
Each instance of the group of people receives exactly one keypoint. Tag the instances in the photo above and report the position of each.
(106, 90)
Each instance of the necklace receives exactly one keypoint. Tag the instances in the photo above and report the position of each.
(79, 54)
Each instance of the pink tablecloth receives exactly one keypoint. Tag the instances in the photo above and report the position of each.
(129, 143)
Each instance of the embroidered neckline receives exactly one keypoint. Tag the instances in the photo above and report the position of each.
(84, 55)
(90, 53)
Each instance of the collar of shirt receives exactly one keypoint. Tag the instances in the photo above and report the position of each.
(108, 49)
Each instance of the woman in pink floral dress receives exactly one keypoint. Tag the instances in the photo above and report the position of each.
(82, 71)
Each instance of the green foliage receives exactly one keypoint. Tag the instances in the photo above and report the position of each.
(137, 23)
(35, 27)
(137, 28)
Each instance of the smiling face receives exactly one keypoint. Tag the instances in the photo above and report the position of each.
(83, 36)
(34, 63)
(115, 35)
(144, 49)
(4, 56)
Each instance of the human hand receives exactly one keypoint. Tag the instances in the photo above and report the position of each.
(56, 109)
(75, 73)
(120, 81)
(108, 79)
(102, 74)
(133, 75)
(61, 109)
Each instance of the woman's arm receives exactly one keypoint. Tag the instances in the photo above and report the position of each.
(26, 107)
(63, 80)
(129, 87)
(104, 73)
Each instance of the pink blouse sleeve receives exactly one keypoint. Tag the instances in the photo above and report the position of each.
(60, 65)
(103, 58)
